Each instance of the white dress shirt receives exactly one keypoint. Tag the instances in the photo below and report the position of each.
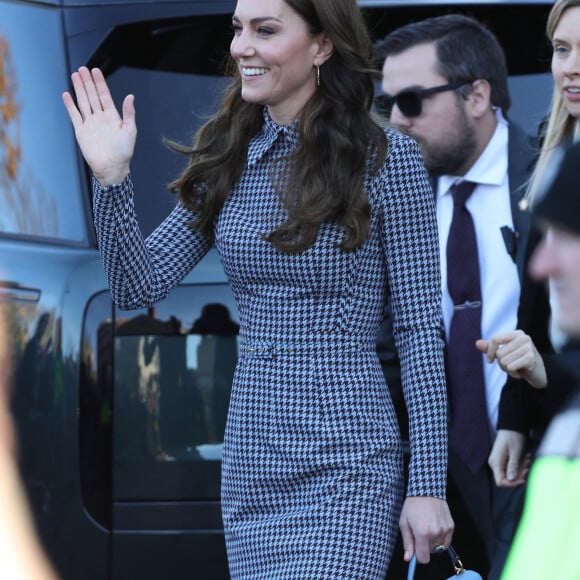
(490, 208)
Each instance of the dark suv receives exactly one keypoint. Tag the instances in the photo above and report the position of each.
(120, 415)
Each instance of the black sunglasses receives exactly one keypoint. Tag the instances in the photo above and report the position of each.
(410, 101)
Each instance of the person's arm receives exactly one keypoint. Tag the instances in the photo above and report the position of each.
(550, 376)
(412, 253)
(139, 272)
(142, 271)
(533, 323)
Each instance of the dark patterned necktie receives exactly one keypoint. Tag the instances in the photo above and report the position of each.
(469, 430)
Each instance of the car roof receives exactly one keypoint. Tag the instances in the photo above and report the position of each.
(450, 3)
(222, 4)
(219, 4)
(104, 3)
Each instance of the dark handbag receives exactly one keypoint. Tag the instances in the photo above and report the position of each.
(460, 572)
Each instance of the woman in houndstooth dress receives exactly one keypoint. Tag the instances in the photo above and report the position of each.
(316, 212)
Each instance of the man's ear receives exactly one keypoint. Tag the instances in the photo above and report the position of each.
(479, 97)
(325, 49)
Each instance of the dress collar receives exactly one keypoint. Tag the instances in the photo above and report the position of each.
(269, 134)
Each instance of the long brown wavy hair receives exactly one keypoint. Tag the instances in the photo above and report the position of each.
(339, 141)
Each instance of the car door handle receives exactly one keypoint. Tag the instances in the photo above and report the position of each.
(15, 293)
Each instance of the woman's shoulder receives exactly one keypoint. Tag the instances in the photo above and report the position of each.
(402, 173)
(402, 152)
(400, 147)
(397, 138)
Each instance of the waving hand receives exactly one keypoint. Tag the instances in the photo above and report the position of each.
(106, 139)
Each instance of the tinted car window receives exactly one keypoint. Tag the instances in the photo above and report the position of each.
(174, 365)
(39, 178)
(168, 105)
(177, 79)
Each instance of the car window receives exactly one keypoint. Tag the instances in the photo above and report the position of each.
(174, 365)
(168, 105)
(177, 77)
(40, 193)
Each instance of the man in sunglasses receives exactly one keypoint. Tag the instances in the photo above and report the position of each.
(445, 84)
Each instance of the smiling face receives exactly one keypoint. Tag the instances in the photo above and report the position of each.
(566, 59)
(277, 55)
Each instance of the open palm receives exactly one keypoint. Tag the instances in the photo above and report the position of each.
(106, 139)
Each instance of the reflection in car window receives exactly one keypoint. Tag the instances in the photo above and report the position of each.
(174, 366)
(40, 193)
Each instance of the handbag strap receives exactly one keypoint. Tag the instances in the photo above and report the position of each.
(455, 561)
(412, 566)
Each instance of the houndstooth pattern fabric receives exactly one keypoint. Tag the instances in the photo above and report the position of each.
(312, 463)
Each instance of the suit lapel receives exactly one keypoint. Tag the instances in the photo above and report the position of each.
(521, 158)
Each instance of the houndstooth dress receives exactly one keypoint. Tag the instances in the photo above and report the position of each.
(312, 479)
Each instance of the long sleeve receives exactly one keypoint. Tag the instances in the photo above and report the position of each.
(411, 245)
(142, 271)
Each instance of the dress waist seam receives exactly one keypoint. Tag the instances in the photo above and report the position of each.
(268, 348)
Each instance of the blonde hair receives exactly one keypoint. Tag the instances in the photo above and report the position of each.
(560, 125)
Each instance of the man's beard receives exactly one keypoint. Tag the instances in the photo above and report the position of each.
(453, 157)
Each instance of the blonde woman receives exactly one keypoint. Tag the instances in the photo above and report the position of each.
(516, 352)
(562, 125)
